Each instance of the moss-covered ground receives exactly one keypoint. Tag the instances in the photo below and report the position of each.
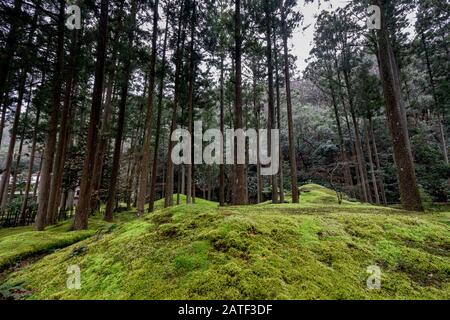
(316, 250)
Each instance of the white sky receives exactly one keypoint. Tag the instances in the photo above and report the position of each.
(302, 40)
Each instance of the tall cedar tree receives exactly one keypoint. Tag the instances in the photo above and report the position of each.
(80, 221)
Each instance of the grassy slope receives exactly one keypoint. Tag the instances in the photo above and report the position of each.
(316, 250)
(21, 242)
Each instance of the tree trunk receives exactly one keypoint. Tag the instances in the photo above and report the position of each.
(168, 201)
(292, 151)
(347, 173)
(4, 182)
(271, 117)
(377, 162)
(50, 145)
(30, 168)
(409, 190)
(58, 165)
(19, 153)
(191, 107)
(278, 126)
(80, 221)
(121, 121)
(143, 177)
(358, 146)
(372, 168)
(222, 129)
(8, 55)
(151, 207)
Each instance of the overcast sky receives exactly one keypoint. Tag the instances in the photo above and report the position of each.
(302, 40)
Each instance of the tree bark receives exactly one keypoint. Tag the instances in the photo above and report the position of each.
(151, 207)
(278, 113)
(372, 167)
(50, 145)
(58, 165)
(143, 177)
(409, 191)
(291, 133)
(80, 221)
(191, 107)
(10, 48)
(222, 129)
(271, 117)
(4, 182)
(121, 121)
(378, 164)
(168, 201)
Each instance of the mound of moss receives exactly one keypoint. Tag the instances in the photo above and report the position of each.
(315, 250)
(22, 242)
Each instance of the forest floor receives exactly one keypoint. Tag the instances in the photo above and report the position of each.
(315, 250)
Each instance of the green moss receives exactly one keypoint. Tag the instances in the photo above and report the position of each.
(307, 251)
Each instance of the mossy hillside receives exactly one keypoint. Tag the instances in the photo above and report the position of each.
(306, 251)
(22, 242)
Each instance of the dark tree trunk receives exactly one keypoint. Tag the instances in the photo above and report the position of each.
(347, 173)
(4, 182)
(10, 48)
(292, 151)
(121, 121)
(372, 167)
(19, 153)
(50, 145)
(222, 129)
(271, 117)
(378, 164)
(58, 166)
(82, 213)
(143, 177)
(189, 166)
(151, 207)
(277, 86)
(168, 201)
(30, 168)
(239, 169)
(409, 190)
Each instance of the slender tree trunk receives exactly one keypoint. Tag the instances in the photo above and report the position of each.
(222, 129)
(372, 167)
(143, 177)
(82, 213)
(168, 201)
(10, 155)
(106, 117)
(277, 86)
(151, 207)
(271, 117)
(291, 133)
(58, 166)
(121, 121)
(442, 137)
(191, 107)
(409, 190)
(38, 179)
(347, 173)
(50, 145)
(257, 109)
(359, 149)
(19, 153)
(239, 169)
(377, 162)
(30, 169)
(8, 55)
